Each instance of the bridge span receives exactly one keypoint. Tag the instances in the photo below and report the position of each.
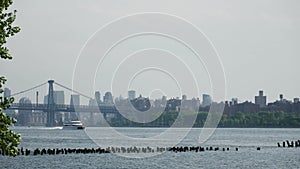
(52, 107)
(65, 108)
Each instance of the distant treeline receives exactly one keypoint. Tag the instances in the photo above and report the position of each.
(236, 120)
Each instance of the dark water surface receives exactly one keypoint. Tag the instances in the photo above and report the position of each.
(247, 140)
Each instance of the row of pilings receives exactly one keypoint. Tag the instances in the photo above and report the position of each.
(288, 143)
(133, 149)
(62, 151)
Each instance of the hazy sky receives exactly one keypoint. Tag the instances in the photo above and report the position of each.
(257, 42)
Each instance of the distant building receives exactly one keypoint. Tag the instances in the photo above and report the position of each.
(281, 97)
(7, 93)
(234, 101)
(284, 105)
(92, 102)
(74, 103)
(75, 100)
(91, 119)
(173, 105)
(184, 97)
(108, 98)
(206, 100)
(141, 103)
(296, 106)
(158, 103)
(24, 116)
(59, 97)
(131, 94)
(98, 97)
(246, 107)
(161, 102)
(261, 100)
(164, 99)
(121, 98)
(190, 105)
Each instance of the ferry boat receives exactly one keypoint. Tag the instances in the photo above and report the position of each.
(73, 125)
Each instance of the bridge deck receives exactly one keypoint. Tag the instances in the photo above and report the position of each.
(104, 108)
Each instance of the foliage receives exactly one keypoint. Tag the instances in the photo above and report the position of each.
(251, 120)
(9, 140)
(6, 28)
(261, 119)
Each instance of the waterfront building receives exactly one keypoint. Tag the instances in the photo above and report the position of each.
(74, 103)
(24, 116)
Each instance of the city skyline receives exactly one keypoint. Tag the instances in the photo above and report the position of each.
(108, 97)
(34, 113)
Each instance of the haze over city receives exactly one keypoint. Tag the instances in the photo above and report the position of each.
(149, 84)
(257, 44)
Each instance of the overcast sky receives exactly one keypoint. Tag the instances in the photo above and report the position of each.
(257, 42)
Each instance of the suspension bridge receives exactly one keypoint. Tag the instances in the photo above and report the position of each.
(51, 107)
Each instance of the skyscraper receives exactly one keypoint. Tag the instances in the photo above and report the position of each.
(98, 97)
(74, 102)
(59, 97)
(24, 116)
(107, 98)
(206, 100)
(261, 100)
(131, 94)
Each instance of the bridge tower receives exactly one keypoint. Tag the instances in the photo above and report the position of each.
(50, 106)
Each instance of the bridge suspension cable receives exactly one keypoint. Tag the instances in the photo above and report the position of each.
(27, 89)
(73, 90)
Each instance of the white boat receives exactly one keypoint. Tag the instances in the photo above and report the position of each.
(73, 125)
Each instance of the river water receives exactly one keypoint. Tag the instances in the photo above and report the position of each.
(245, 139)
